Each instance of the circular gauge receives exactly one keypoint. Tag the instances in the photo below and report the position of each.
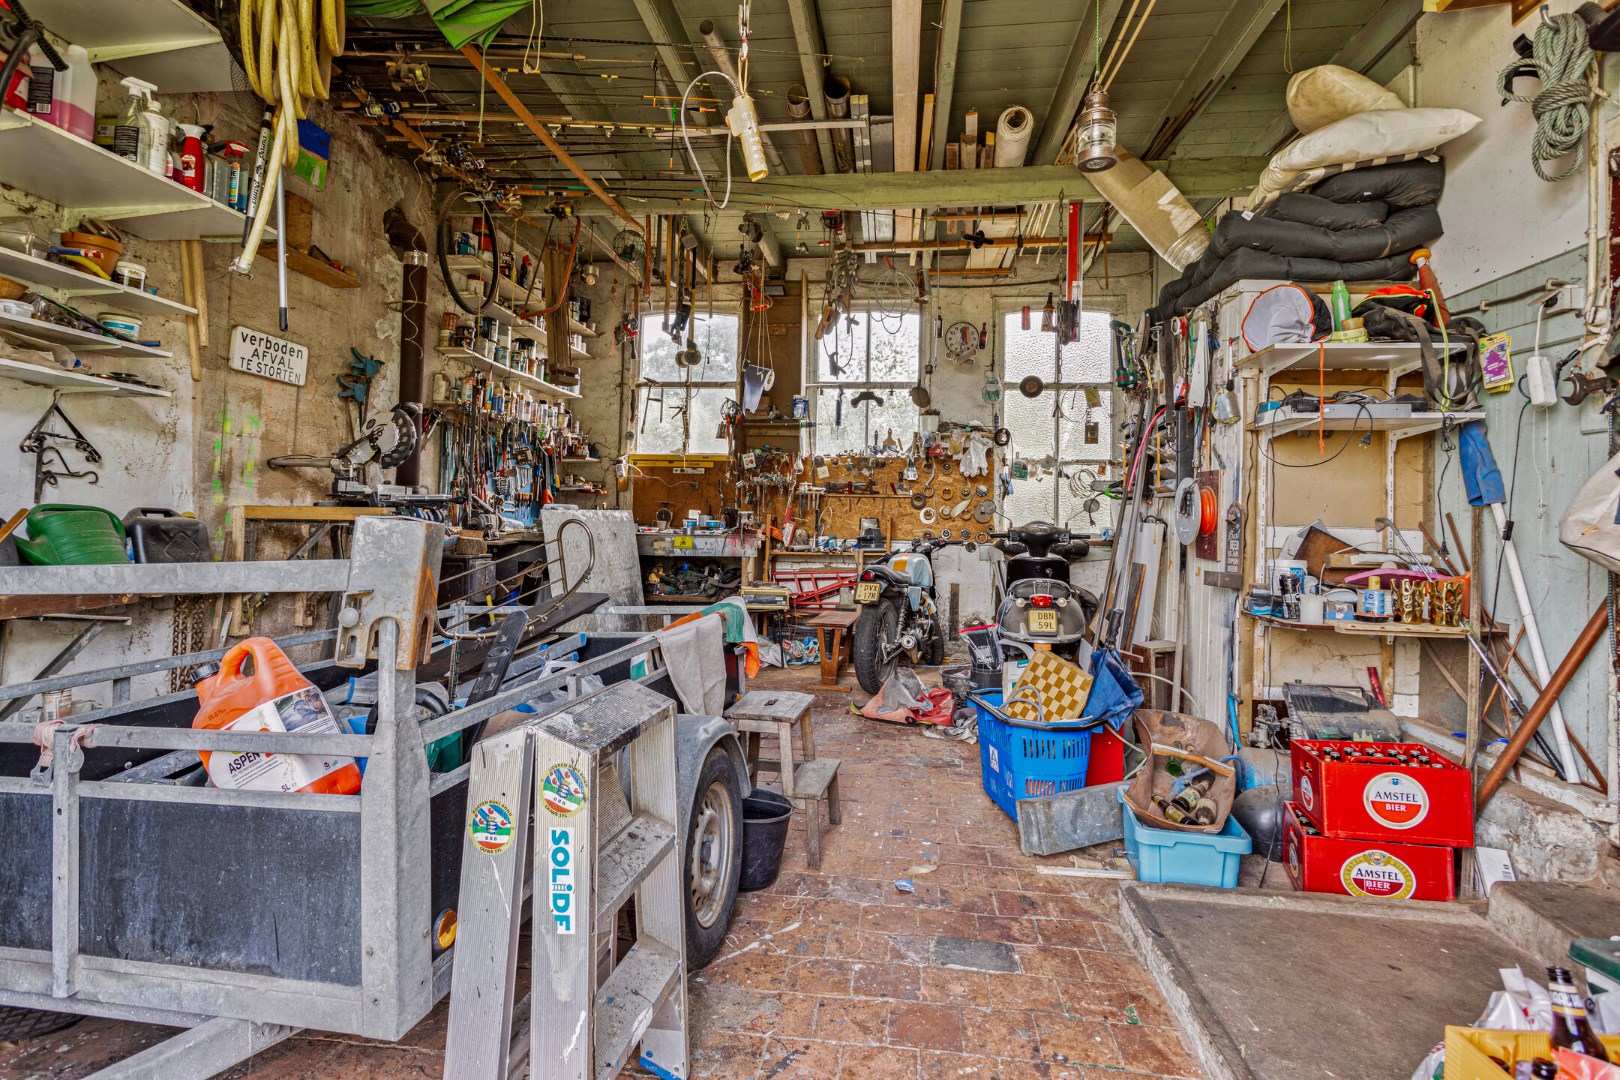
(962, 340)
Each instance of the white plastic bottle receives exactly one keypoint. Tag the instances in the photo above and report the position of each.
(156, 133)
(74, 95)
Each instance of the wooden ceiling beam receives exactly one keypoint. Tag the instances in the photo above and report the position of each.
(513, 102)
(1071, 87)
(1387, 28)
(1197, 178)
(1240, 28)
(808, 40)
(950, 39)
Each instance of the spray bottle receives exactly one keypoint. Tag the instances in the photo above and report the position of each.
(193, 158)
(142, 134)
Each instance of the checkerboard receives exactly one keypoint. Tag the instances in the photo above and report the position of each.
(1063, 687)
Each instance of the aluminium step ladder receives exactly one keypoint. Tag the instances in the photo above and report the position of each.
(548, 818)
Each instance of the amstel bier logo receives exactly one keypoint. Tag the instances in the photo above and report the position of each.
(1395, 800)
(1377, 874)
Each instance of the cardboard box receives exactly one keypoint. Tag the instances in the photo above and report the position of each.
(1367, 794)
(1369, 869)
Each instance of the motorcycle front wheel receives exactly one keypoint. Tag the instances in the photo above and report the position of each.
(876, 634)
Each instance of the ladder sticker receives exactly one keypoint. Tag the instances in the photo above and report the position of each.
(490, 827)
(560, 871)
(563, 790)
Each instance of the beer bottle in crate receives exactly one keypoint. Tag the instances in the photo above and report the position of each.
(1571, 1028)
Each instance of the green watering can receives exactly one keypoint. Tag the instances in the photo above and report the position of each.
(61, 534)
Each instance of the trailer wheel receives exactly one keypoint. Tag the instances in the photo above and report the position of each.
(18, 1024)
(713, 857)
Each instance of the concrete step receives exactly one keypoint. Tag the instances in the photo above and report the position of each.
(1543, 917)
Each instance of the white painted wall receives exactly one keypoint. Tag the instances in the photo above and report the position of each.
(1498, 214)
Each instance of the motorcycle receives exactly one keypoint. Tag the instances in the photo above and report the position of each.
(899, 614)
(1039, 605)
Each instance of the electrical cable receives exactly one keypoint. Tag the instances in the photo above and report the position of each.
(1361, 409)
(692, 155)
(1561, 55)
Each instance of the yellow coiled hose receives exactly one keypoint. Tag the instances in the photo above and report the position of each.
(287, 46)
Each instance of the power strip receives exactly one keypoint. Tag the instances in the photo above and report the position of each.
(1539, 382)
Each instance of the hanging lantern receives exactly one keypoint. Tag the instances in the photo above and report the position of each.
(1099, 130)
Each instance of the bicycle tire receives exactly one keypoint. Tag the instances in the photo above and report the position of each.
(447, 238)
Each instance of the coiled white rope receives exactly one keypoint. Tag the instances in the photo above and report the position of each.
(1562, 57)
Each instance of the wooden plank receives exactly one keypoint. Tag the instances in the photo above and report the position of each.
(314, 269)
(310, 513)
(1197, 178)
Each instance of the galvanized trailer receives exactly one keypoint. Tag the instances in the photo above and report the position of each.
(244, 916)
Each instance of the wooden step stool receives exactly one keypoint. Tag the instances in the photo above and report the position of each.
(772, 712)
(815, 780)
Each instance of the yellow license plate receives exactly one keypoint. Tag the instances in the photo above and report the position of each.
(1043, 622)
(867, 592)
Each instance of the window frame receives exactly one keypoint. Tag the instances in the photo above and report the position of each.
(814, 384)
(1005, 309)
(644, 385)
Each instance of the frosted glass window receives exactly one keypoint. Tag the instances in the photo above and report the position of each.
(1064, 435)
(873, 351)
(679, 409)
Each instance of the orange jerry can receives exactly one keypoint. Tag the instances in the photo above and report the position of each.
(272, 697)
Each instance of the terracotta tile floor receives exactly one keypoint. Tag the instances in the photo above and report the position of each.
(989, 971)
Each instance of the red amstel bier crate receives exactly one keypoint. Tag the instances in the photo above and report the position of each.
(1370, 869)
(1365, 791)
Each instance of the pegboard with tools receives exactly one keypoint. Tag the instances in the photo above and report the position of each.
(909, 496)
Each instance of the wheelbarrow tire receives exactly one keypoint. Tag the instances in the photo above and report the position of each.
(19, 1024)
(711, 867)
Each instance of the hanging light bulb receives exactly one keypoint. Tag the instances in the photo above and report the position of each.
(1048, 316)
(1099, 131)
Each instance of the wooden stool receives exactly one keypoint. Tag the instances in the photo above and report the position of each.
(814, 781)
(770, 712)
(839, 623)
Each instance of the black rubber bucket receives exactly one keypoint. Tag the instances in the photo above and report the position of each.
(766, 817)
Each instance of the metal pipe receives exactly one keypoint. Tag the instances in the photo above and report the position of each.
(413, 315)
(1532, 632)
(798, 106)
(721, 55)
(835, 92)
(1596, 627)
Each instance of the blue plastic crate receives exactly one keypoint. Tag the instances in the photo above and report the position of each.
(1020, 760)
(1190, 858)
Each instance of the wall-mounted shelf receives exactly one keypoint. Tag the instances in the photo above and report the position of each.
(88, 180)
(477, 360)
(162, 41)
(78, 340)
(1367, 629)
(1394, 357)
(70, 282)
(1284, 421)
(311, 267)
(577, 327)
(72, 382)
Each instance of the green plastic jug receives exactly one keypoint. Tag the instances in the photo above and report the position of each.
(62, 534)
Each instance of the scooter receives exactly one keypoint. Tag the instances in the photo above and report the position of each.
(899, 614)
(1039, 605)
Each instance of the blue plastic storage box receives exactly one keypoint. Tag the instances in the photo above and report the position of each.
(1019, 760)
(1190, 858)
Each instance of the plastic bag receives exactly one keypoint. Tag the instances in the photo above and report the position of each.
(902, 699)
(1580, 1067)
